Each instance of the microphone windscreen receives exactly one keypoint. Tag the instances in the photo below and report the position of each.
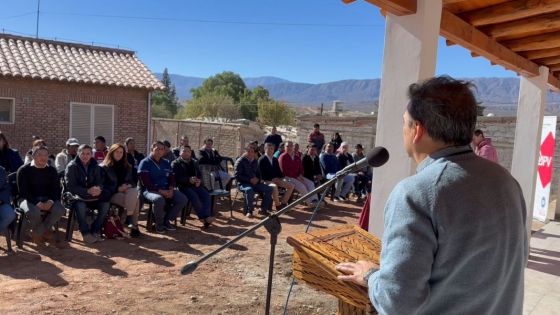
(377, 156)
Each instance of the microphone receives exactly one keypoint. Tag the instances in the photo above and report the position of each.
(375, 158)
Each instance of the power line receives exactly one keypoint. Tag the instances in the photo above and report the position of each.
(210, 21)
(18, 15)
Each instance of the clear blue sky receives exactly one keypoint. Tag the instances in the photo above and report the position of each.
(300, 40)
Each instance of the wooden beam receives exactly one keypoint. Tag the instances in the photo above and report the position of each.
(543, 53)
(554, 82)
(554, 68)
(525, 27)
(396, 7)
(545, 41)
(474, 55)
(509, 11)
(548, 61)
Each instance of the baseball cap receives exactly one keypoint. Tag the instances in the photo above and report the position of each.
(72, 142)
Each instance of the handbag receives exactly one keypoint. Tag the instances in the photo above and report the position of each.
(114, 228)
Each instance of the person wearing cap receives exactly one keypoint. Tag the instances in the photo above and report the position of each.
(39, 190)
(66, 155)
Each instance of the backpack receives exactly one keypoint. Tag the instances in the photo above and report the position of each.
(113, 227)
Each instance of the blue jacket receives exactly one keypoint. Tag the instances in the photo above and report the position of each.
(154, 175)
(455, 240)
(5, 191)
(329, 162)
(11, 161)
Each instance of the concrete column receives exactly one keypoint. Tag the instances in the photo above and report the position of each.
(409, 56)
(530, 112)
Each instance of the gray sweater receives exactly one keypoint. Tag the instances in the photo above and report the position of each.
(455, 240)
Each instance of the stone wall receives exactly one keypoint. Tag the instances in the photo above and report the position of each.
(229, 138)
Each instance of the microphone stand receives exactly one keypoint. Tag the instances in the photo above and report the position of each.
(273, 226)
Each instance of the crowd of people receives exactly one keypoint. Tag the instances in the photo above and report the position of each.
(99, 176)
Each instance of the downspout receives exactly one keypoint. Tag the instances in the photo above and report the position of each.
(149, 133)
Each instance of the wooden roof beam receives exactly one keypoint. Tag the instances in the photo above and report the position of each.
(458, 31)
(524, 27)
(554, 68)
(509, 11)
(538, 42)
(543, 53)
(396, 7)
(548, 61)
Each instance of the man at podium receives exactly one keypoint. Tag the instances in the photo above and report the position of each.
(455, 239)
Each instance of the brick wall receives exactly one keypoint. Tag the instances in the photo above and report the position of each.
(229, 138)
(43, 108)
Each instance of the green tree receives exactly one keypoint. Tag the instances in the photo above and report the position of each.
(211, 105)
(275, 113)
(165, 103)
(225, 83)
(248, 104)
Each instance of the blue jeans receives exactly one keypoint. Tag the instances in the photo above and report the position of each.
(7, 215)
(179, 201)
(249, 192)
(200, 200)
(343, 185)
(81, 214)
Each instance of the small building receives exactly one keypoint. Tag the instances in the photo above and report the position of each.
(56, 90)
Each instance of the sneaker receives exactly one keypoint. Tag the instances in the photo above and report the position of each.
(135, 232)
(88, 238)
(264, 212)
(249, 214)
(341, 199)
(169, 227)
(99, 237)
(160, 229)
(209, 220)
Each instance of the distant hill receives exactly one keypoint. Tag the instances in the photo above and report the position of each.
(497, 94)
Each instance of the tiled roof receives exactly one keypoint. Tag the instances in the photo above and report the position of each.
(25, 57)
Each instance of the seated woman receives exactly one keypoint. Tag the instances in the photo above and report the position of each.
(39, 189)
(9, 158)
(188, 179)
(119, 180)
(34, 144)
(7, 213)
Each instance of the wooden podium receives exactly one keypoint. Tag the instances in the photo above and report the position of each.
(317, 253)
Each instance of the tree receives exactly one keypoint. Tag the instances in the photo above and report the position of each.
(211, 105)
(275, 113)
(225, 83)
(165, 103)
(248, 104)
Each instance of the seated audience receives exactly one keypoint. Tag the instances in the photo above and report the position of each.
(248, 177)
(84, 178)
(273, 177)
(7, 213)
(336, 141)
(132, 155)
(281, 149)
(9, 158)
(188, 178)
(297, 152)
(66, 155)
(362, 184)
(37, 143)
(99, 149)
(168, 155)
(331, 166)
(291, 166)
(316, 137)
(183, 142)
(210, 156)
(158, 183)
(120, 182)
(273, 138)
(312, 165)
(39, 191)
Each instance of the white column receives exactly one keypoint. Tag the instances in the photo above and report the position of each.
(409, 56)
(530, 112)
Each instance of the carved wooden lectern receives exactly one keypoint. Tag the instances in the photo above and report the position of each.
(317, 253)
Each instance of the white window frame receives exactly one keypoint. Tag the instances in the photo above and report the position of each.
(92, 121)
(12, 112)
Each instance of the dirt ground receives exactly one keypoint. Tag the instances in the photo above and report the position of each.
(142, 275)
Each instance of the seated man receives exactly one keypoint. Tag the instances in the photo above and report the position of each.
(158, 183)
(330, 165)
(7, 213)
(133, 156)
(84, 178)
(100, 149)
(183, 142)
(38, 184)
(312, 165)
(188, 178)
(66, 155)
(362, 184)
(210, 156)
(248, 176)
(291, 166)
(273, 176)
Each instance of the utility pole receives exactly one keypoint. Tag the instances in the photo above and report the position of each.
(321, 109)
(37, 25)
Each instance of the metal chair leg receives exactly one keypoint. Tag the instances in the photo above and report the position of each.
(70, 225)
(20, 227)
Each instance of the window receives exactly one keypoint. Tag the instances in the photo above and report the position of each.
(7, 110)
(90, 120)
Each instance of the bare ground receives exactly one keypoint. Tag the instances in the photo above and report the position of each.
(142, 275)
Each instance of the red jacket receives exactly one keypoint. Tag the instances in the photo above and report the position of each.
(486, 150)
(290, 167)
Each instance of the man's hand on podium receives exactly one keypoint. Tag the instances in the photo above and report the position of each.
(357, 272)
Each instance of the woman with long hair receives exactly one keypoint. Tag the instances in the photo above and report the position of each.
(336, 141)
(9, 158)
(119, 179)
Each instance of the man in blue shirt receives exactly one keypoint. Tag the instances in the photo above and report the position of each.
(455, 239)
(158, 183)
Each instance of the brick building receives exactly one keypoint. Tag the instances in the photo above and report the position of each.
(57, 90)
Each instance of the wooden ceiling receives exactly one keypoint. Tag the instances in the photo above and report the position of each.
(520, 35)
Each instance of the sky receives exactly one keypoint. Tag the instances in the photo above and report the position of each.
(313, 41)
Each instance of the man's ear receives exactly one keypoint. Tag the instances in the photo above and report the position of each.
(419, 132)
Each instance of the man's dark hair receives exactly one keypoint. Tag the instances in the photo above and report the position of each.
(100, 138)
(445, 107)
(184, 147)
(359, 146)
(208, 139)
(316, 126)
(478, 132)
(167, 143)
(156, 143)
(84, 147)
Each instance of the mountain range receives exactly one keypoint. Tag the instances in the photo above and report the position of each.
(496, 94)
